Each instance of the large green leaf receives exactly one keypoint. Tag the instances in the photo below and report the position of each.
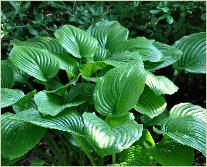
(160, 84)
(36, 62)
(141, 45)
(10, 96)
(187, 125)
(7, 74)
(108, 33)
(48, 43)
(170, 56)
(171, 153)
(76, 41)
(150, 104)
(101, 54)
(194, 53)
(119, 90)
(18, 137)
(52, 104)
(107, 140)
(67, 121)
(124, 58)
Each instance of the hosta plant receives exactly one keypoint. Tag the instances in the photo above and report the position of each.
(91, 98)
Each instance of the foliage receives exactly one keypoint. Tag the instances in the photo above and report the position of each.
(93, 90)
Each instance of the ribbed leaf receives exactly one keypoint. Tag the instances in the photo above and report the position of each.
(90, 68)
(141, 45)
(160, 84)
(67, 121)
(76, 41)
(150, 104)
(119, 90)
(107, 140)
(7, 74)
(52, 104)
(170, 56)
(187, 125)
(124, 58)
(171, 153)
(48, 43)
(38, 63)
(18, 137)
(194, 53)
(108, 33)
(101, 54)
(10, 96)
(135, 156)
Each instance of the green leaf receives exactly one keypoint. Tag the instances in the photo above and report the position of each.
(107, 140)
(101, 54)
(10, 96)
(135, 156)
(124, 58)
(141, 45)
(150, 104)
(52, 104)
(108, 33)
(38, 63)
(7, 74)
(119, 90)
(160, 84)
(67, 121)
(171, 153)
(76, 41)
(194, 53)
(48, 43)
(170, 56)
(18, 137)
(90, 68)
(187, 125)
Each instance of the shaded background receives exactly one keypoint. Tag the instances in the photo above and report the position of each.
(165, 22)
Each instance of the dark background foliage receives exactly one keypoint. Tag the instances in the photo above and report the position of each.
(165, 22)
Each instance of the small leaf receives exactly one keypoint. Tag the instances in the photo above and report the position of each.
(119, 90)
(160, 84)
(150, 104)
(18, 137)
(38, 63)
(194, 53)
(7, 74)
(106, 140)
(187, 125)
(67, 121)
(10, 96)
(76, 41)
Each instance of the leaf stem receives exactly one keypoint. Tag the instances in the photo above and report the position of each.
(46, 86)
(113, 158)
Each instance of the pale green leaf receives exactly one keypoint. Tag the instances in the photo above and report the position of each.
(10, 96)
(67, 121)
(119, 90)
(7, 75)
(150, 104)
(194, 53)
(107, 140)
(18, 137)
(76, 41)
(160, 84)
(187, 125)
(38, 63)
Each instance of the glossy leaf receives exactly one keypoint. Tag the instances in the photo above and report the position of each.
(67, 121)
(194, 53)
(119, 90)
(160, 84)
(38, 63)
(18, 137)
(7, 74)
(187, 125)
(106, 140)
(76, 41)
(150, 104)
(10, 96)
